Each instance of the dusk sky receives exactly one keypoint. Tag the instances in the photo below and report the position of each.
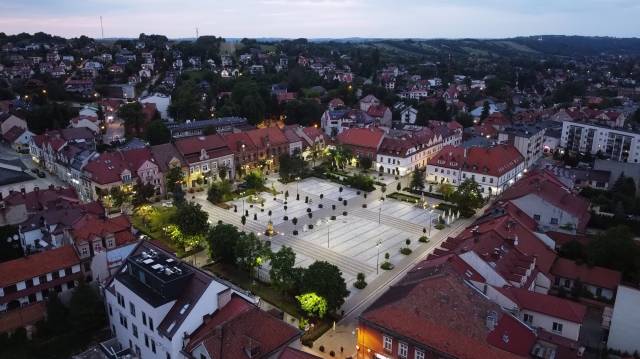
(323, 18)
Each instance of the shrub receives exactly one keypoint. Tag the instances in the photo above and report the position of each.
(406, 251)
(386, 266)
(310, 226)
(361, 182)
(307, 342)
(295, 232)
(310, 215)
(332, 353)
(321, 348)
(320, 205)
(360, 285)
(364, 205)
(333, 218)
(285, 218)
(440, 226)
(344, 213)
(344, 202)
(423, 239)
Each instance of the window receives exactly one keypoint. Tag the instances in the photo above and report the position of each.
(135, 330)
(554, 221)
(138, 350)
(403, 350)
(146, 340)
(153, 346)
(151, 323)
(123, 321)
(144, 318)
(387, 343)
(132, 309)
(557, 327)
(168, 356)
(71, 284)
(528, 318)
(419, 354)
(110, 310)
(536, 217)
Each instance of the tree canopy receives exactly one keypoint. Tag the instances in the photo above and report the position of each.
(326, 280)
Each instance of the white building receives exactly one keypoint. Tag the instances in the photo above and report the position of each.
(528, 139)
(616, 144)
(402, 155)
(160, 307)
(493, 168)
(625, 322)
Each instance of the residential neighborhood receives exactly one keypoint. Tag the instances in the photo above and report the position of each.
(213, 198)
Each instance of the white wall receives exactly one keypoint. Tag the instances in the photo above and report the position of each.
(624, 333)
(570, 330)
(534, 205)
(484, 269)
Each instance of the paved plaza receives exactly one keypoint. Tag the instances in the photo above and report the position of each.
(362, 237)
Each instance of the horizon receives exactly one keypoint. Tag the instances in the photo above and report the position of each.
(332, 19)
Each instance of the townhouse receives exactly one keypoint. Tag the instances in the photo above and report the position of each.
(205, 156)
(25, 283)
(494, 168)
(601, 283)
(120, 169)
(407, 151)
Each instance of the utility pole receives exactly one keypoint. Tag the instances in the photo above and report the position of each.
(197, 33)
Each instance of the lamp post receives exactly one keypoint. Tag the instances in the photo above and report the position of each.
(297, 187)
(378, 256)
(430, 220)
(328, 228)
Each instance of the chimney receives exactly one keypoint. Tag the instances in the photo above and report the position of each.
(51, 187)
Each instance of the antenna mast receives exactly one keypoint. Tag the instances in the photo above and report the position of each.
(197, 34)
(101, 27)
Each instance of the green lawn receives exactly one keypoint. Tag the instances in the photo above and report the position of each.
(263, 290)
(151, 220)
(404, 197)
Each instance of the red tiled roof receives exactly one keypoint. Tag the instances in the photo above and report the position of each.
(494, 161)
(241, 326)
(362, 137)
(41, 199)
(442, 312)
(13, 134)
(546, 304)
(23, 316)
(290, 353)
(34, 265)
(235, 140)
(92, 225)
(549, 188)
(497, 119)
(512, 336)
(108, 166)
(377, 110)
(562, 238)
(215, 145)
(268, 135)
(596, 276)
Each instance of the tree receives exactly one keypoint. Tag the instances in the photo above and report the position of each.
(118, 196)
(290, 166)
(133, 117)
(573, 250)
(50, 116)
(56, 314)
(616, 249)
(313, 304)
(174, 178)
(142, 192)
(157, 133)
(486, 109)
(254, 180)
(250, 252)
(9, 249)
(365, 163)
(282, 263)
(417, 179)
(446, 190)
(86, 311)
(467, 197)
(219, 191)
(326, 280)
(222, 240)
(191, 219)
(185, 103)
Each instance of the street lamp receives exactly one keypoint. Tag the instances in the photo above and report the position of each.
(378, 256)
(430, 221)
(328, 227)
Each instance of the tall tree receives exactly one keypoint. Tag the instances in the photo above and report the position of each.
(282, 263)
(467, 197)
(133, 118)
(250, 252)
(157, 133)
(222, 240)
(326, 280)
(191, 219)
(417, 179)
